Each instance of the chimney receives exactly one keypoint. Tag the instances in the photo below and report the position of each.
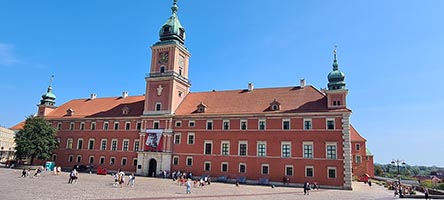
(250, 86)
(302, 83)
(124, 94)
(93, 96)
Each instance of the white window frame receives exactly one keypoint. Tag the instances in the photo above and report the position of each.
(116, 124)
(59, 126)
(222, 147)
(221, 167)
(154, 124)
(82, 126)
(89, 160)
(174, 158)
(246, 147)
(101, 144)
(282, 149)
(360, 159)
(93, 126)
(205, 164)
(246, 124)
(69, 143)
(292, 170)
(283, 124)
(70, 158)
(189, 158)
(191, 123)
(212, 125)
(259, 124)
(245, 167)
(105, 126)
(78, 141)
(262, 169)
(309, 167)
(311, 124)
(328, 172)
(127, 144)
(335, 144)
(112, 144)
(260, 143)
(102, 158)
(188, 138)
(72, 126)
(136, 145)
(177, 136)
(126, 161)
(326, 123)
(303, 149)
(178, 124)
(205, 145)
(127, 125)
(111, 160)
(78, 158)
(223, 124)
(89, 143)
(158, 106)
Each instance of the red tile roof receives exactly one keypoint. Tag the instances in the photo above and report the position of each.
(291, 99)
(100, 107)
(18, 126)
(354, 135)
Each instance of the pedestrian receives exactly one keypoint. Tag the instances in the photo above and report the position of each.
(24, 173)
(116, 179)
(71, 176)
(307, 188)
(28, 173)
(426, 193)
(132, 179)
(75, 177)
(121, 177)
(369, 182)
(188, 186)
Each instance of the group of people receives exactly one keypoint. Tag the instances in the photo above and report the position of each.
(57, 170)
(119, 179)
(307, 187)
(73, 177)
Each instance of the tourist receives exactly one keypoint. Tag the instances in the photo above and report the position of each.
(426, 193)
(188, 186)
(369, 182)
(131, 180)
(24, 173)
(307, 188)
(116, 179)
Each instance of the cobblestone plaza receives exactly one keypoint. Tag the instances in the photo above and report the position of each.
(91, 186)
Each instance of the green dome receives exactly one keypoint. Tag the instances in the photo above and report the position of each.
(172, 29)
(48, 98)
(336, 77)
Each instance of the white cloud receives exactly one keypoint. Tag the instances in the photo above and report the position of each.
(7, 56)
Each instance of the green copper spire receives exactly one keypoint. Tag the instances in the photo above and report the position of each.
(172, 30)
(336, 77)
(48, 98)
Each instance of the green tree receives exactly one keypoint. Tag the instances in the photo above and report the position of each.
(36, 140)
(378, 170)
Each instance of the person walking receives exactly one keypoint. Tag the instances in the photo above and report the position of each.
(188, 186)
(131, 180)
(307, 188)
(426, 193)
(24, 173)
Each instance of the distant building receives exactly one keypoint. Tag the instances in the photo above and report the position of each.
(250, 134)
(362, 157)
(7, 144)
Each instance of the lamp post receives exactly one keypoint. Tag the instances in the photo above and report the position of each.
(398, 163)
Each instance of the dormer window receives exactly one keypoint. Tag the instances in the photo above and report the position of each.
(166, 30)
(125, 110)
(201, 108)
(69, 112)
(275, 105)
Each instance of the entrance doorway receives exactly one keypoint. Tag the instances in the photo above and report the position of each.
(152, 168)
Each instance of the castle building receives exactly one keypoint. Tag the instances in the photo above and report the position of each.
(257, 135)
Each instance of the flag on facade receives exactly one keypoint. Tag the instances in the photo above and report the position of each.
(154, 136)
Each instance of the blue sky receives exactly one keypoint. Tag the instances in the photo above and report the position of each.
(390, 51)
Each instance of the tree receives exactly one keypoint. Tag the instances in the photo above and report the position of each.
(378, 170)
(37, 139)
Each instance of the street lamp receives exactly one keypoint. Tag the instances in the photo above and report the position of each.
(398, 163)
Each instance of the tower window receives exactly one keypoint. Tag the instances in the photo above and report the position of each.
(158, 106)
(181, 32)
(166, 30)
(162, 69)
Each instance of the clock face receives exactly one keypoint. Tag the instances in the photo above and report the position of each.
(163, 57)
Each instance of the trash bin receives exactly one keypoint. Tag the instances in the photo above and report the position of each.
(49, 166)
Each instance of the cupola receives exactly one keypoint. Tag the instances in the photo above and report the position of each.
(336, 77)
(172, 29)
(48, 98)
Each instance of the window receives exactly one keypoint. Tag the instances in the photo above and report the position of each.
(162, 69)
(180, 71)
(331, 172)
(139, 126)
(91, 144)
(209, 125)
(309, 171)
(243, 124)
(125, 145)
(91, 159)
(243, 148)
(158, 106)
(225, 148)
(136, 145)
(265, 168)
(102, 160)
(71, 126)
(127, 125)
(288, 170)
(191, 123)
(123, 163)
(330, 124)
(178, 123)
(79, 143)
(155, 125)
(103, 144)
(189, 161)
(175, 160)
(261, 149)
(208, 148)
(54, 157)
(286, 124)
(112, 161)
(224, 167)
(207, 166)
(358, 159)
(262, 124)
(59, 126)
(79, 158)
(134, 162)
(358, 147)
(69, 143)
(70, 158)
(286, 149)
(82, 126)
(308, 149)
(331, 150)
(105, 125)
(226, 124)
(177, 138)
(114, 145)
(190, 138)
(242, 168)
(116, 125)
(307, 124)
(93, 125)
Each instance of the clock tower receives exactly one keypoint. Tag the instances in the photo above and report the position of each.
(167, 83)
